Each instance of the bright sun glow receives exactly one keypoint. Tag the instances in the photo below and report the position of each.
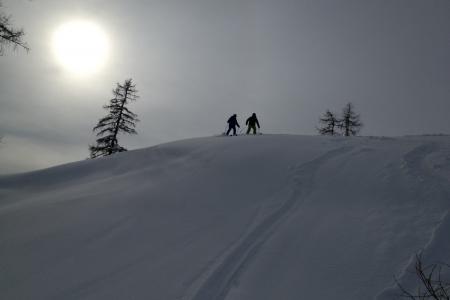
(81, 47)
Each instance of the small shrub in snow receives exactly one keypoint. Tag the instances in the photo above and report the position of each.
(431, 282)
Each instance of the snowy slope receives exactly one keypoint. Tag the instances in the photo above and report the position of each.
(248, 217)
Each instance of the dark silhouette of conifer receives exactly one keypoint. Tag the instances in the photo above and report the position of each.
(330, 123)
(119, 120)
(350, 123)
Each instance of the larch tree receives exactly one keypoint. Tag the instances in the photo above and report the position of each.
(330, 123)
(118, 120)
(9, 35)
(350, 123)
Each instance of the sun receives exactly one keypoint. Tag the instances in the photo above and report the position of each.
(81, 47)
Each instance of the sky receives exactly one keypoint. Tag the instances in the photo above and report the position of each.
(197, 62)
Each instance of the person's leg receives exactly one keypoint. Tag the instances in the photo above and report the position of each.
(248, 130)
(234, 130)
(254, 129)
(229, 129)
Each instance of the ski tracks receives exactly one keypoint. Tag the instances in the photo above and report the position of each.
(413, 160)
(428, 185)
(215, 283)
(433, 191)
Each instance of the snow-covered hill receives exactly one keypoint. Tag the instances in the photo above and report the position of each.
(248, 217)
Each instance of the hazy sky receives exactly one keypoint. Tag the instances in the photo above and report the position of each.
(197, 62)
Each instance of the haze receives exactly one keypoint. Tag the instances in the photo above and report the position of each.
(197, 62)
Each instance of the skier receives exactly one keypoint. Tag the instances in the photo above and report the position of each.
(232, 123)
(252, 122)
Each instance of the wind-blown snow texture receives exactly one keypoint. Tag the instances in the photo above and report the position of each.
(248, 217)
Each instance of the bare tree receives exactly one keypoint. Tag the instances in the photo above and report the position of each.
(330, 122)
(10, 36)
(431, 283)
(350, 123)
(119, 120)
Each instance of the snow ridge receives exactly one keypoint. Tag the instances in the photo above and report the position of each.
(249, 217)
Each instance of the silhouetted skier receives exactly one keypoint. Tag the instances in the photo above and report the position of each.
(252, 122)
(232, 123)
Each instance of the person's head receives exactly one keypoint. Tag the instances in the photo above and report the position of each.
(235, 115)
(253, 115)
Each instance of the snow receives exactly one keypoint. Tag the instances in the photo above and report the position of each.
(246, 217)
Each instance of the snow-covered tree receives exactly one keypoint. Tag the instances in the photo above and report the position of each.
(330, 122)
(10, 36)
(350, 123)
(119, 120)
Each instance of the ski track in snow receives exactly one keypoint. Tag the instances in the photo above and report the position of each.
(216, 283)
(414, 159)
(428, 185)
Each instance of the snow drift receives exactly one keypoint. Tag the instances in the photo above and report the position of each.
(247, 217)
